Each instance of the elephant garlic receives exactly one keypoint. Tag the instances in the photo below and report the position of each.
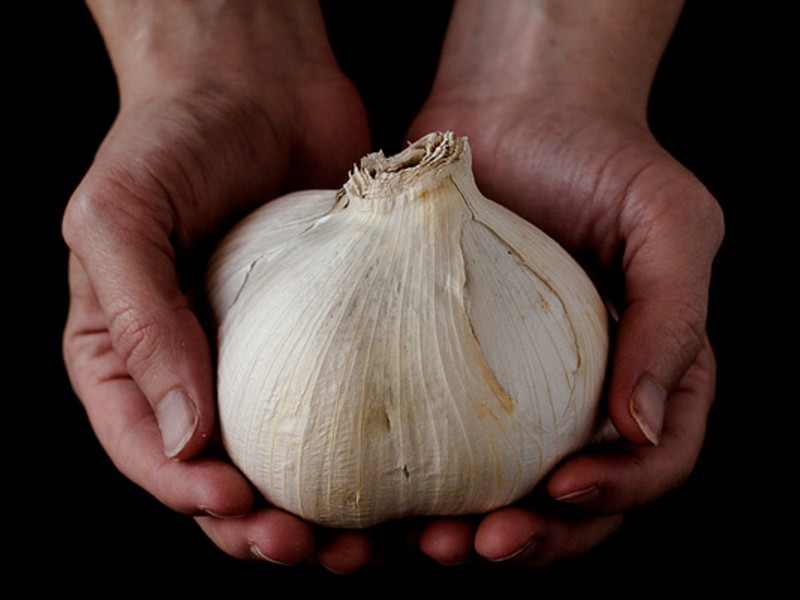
(403, 346)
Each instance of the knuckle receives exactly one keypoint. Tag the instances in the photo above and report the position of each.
(713, 218)
(688, 330)
(681, 340)
(136, 337)
(82, 211)
(113, 204)
(89, 214)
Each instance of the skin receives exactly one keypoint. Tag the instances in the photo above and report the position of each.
(245, 101)
(556, 117)
(242, 102)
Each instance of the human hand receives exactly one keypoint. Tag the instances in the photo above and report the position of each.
(217, 115)
(567, 146)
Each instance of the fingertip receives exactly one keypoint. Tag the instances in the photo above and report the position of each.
(269, 534)
(346, 552)
(647, 407)
(638, 412)
(283, 538)
(578, 495)
(506, 534)
(581, 480)
(448, 541)
(178, 418)
(223, 493)
(524, 539)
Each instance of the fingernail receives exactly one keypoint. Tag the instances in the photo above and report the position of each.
(256, 552)
(522, 554)
(648, 404)
(580, 496)
(211, 513)
(455, 563)
(177, 419)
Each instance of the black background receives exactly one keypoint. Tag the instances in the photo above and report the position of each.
(717, 106)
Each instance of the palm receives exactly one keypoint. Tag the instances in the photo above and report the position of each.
(573, 173)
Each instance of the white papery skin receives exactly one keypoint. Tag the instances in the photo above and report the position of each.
(402, 347)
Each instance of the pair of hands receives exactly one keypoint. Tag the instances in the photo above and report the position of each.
(190, 153)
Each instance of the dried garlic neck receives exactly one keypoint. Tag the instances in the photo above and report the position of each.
(382, 184)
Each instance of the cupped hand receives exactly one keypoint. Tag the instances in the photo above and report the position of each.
(185, 157)
(647, 230)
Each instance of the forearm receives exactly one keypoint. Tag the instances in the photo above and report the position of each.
(156, 45)
(596, 51)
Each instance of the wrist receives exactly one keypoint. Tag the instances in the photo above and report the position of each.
(240, 45)
(601, 55)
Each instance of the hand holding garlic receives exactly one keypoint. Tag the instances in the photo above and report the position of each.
(667, 281)
(191, 146)
(554, 141)
(557, 119)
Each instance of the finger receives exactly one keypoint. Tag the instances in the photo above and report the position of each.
(673, 238)
(448, 541)
(125, 424)
(524, 538)
(127, 430)
(345, 552)
(633, 475)
(268, 534)
(127, 263)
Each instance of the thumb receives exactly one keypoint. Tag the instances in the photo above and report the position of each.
(662, 326)
(654, 348)
(166, 352)
(126, 262)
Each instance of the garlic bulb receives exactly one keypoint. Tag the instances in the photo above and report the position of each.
(403, 346)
